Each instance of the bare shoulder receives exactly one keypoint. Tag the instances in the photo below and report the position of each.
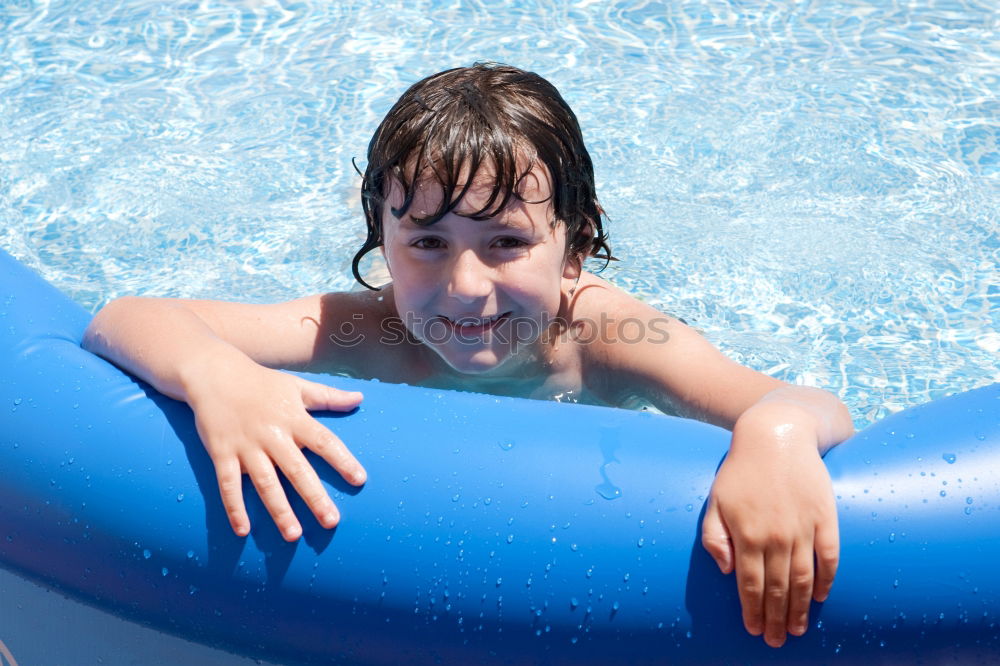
(594, 293)
(614, 317)
(614, 328)
(630, 349)
(349, 324)
(360, 334)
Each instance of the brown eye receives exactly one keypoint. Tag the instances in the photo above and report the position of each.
(428, 243)
(509, 242)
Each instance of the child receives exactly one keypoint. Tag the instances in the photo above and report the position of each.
(479, 193)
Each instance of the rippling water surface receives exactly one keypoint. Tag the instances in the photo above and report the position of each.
(815, 185)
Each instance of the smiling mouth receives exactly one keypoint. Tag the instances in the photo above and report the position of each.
(476, 324)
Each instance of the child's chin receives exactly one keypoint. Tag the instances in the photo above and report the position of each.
(479, 363)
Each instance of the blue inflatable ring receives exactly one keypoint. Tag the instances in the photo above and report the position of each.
(484, 534)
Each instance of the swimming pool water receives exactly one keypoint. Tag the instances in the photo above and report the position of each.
(815, 185)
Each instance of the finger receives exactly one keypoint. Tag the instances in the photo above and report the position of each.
(230, 479)
(750, 583)
(315, 436)
(827, 558)
(319, 396)
(305, 481)
(777, 569)
(265, 480)
(715, 538)
(800, 590)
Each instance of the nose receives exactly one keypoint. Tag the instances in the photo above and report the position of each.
(470, 278)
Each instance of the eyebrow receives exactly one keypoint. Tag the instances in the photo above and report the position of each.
(518, 223)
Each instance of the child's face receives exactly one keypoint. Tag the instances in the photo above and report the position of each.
(474, 290)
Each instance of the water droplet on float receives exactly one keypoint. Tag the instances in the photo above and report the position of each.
(510, 538)
(506, 446)
(949, 458)
(180, 497)
(641, 542)
(892, 537)
(573, 603)
(689, 507)
(164, 571)
(609, 491)
(190, 554)
(146, 554)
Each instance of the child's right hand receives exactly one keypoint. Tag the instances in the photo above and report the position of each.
(253, 419)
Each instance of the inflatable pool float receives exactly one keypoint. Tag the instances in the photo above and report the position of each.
(491, 531)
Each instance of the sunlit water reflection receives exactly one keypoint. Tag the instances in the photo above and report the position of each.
(814, 186)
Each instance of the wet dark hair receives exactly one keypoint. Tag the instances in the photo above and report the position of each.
(454, 123)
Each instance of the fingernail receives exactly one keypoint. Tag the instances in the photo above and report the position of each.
(359, 476)
(799, 629)
(242, 530)
(293, 533)
(330, 518)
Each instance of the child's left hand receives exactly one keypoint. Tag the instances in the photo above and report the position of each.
(772, 506)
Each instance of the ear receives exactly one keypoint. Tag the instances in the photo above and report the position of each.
(573, 263)
(572, 266)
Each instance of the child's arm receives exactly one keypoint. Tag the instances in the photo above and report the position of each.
(251, 419)
(772, 505)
